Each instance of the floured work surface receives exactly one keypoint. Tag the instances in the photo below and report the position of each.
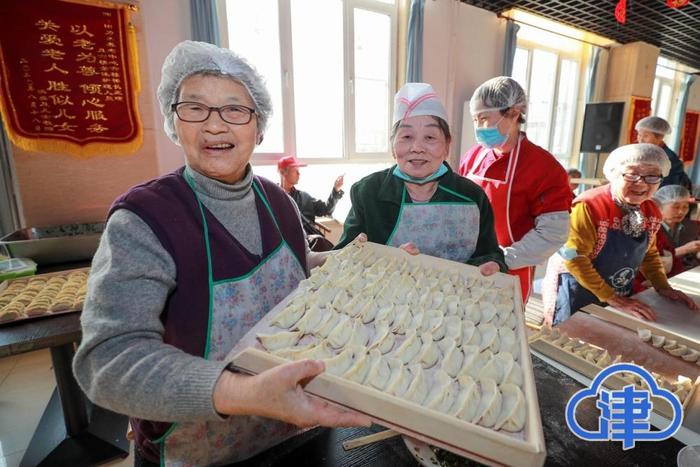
(43, 295)
(426, 346)
(674, 320)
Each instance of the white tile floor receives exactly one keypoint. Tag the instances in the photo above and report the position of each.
(26, 384)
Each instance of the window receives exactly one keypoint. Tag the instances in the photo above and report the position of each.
(662, 94)
(551, 80)
(330, 69)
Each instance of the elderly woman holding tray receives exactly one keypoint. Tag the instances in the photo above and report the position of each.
(612, 236)
(188, 263)
(419, 204)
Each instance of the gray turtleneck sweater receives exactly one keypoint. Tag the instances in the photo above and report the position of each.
(122, 363)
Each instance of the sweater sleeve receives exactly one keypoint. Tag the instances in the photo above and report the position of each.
(487, 248)
(653, 268)
(355, 223)
(122, 362)
(582, 238)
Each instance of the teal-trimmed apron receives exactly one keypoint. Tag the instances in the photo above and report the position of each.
(448, 230)
(236, 304)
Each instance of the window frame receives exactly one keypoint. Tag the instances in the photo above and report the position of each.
(350, 154)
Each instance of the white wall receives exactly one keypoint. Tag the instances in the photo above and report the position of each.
(166, 23)
(462, 48)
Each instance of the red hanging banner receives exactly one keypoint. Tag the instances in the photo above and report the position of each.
(689, 137)
(69, 76)
(640, 107)
(621, 11)
(677, 3)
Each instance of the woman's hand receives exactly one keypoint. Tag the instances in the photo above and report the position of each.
(489, 268)
(410, 248)
(678, 296)
(278, 393)
(688, 248)
(633, 307)
(361, 237)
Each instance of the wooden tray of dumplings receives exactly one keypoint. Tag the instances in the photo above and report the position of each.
(589, 360)
(42, 295)
(425, 346)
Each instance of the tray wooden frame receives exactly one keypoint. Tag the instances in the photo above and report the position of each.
(7, 283)
(485, 445)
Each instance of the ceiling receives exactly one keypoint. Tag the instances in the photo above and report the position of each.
(675, 31)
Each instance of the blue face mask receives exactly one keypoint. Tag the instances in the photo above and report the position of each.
(420, 181)
(490, 137)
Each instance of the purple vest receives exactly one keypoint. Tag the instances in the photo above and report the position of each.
(169, 207)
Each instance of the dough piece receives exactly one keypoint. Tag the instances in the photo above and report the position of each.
(429, 353)
(470, 334)
(399, 380)
(354, 306)
(326, 327)
(342, 362)
(473, 363)
(691, 356)
(341, 333)
(452, 361)
(453, 306)
(289, 316)
(472, 312)
(670, 344)
(360, 334)
(410, 347)
(310, 321)
(341, 301)
(385, 339)
(678, 351)
(326, 294)
(360, 368)
(561, 341)
(488, 311)
(280, 340)
(644, 334)
(382, 370)
(657, 341)
(467, 401)
(489, 337)
(418, 389)
(368, 312)
(386, 314)
(442, 395)
(489, 405)
(403, 320)
(592, 354)
(604, 360)
(508, 340)
(513, 409)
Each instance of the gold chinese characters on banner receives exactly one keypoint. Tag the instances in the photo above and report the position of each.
(69, 77)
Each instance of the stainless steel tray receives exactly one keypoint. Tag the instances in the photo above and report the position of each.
(55, 244)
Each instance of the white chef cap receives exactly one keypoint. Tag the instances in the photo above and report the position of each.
(415, 99)
(499, 93)
(188, 58)
(633, 154)
(654, 124)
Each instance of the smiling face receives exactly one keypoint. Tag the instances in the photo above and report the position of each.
(214, 148)
(674, 212)
(420, 146)
(636, 192)
(646, 136)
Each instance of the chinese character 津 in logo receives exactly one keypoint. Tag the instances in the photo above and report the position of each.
(625, 413)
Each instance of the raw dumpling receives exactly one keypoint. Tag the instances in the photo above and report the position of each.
(657, 341)
(472, 312)
(473, 363)
(384, 339)
(430, 352)
(399, 380)
(489, 337)
(278, 341)
(290, 315)
(452, 361)
(382, 370)
(403, 320)
(470, 333)
(386, 314)
(670, 344)
(442, 395)
(418, 389)
(691, 356)
(409, 348)
(604, 360)
(488, 311)
(354, 306)
(341, 334)
(368, 312)
(314, 352)
(644, 334)
(310, 321)
(678, 351)
(359, 370)
(360, 334)
(513, 409)
(291, 354)
(489, 404)
(508, 340)
(327, 325)
(342, 362)
(326, 294)
(341, 300)
(467, 402)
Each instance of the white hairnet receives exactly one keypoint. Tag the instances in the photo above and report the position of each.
(671, 193)
(633, 154)
(415, 99)
(498, 93)
(654, 124)
(188, 58)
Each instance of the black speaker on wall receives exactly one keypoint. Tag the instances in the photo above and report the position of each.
(601, 127)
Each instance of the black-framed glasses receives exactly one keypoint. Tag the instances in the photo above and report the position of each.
(195, 112)
(648, 179)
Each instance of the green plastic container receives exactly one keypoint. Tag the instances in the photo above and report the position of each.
(16, 267)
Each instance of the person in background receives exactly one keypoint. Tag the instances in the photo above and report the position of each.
(681, 231)
(419, 204)
(613, 235)
(528, 188)
(573, 173)
(288, 168)
(190, 262)
(653, 130)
